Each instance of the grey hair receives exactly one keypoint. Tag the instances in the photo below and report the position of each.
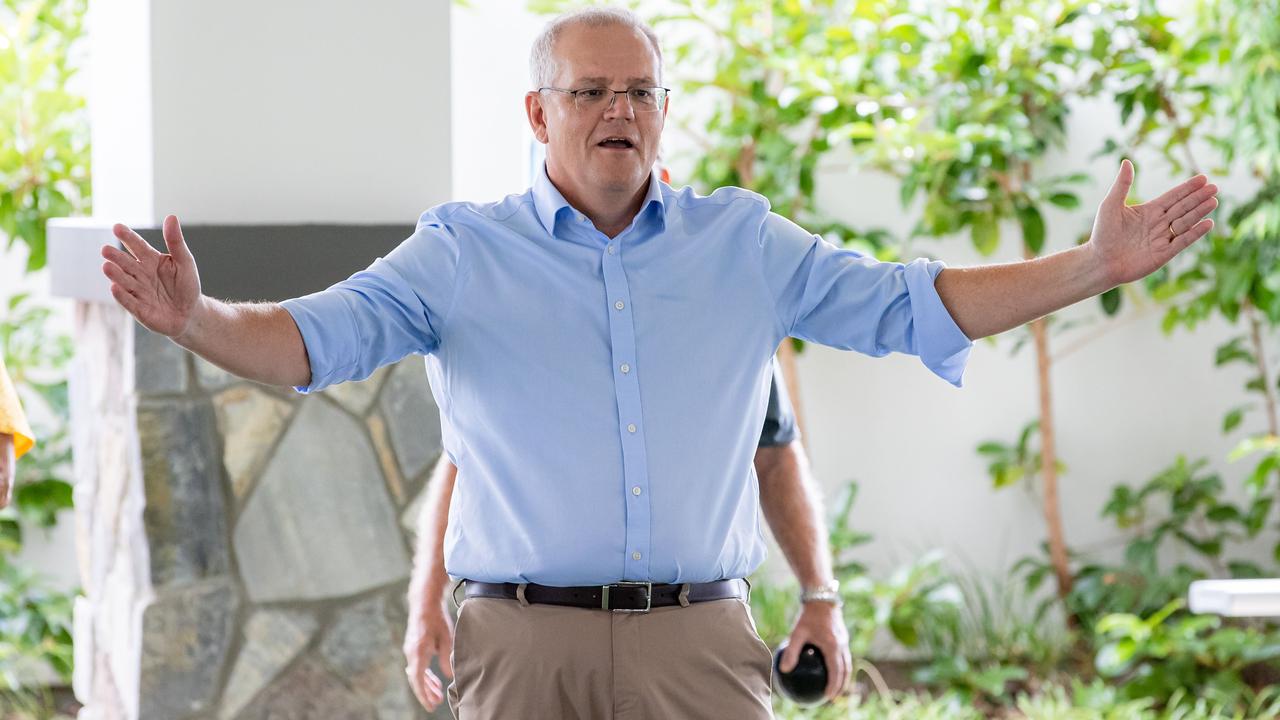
(542, 59)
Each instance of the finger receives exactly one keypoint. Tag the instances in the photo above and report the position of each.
(791, 655)
(1172, 196)
(1120, 188)
(118, 276)
(130, 303)
(435, 691)
(1195, 216)
(846, 672)
(1196, 232)
(1183, 206)
(833, 670)
(417, 694)
(418, 686)
(127, 262)
(176, 243)
(134, 243)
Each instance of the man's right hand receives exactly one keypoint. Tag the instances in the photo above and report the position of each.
(429, 634)
(161, 290)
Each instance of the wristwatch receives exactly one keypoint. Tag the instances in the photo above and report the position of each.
(826, 592)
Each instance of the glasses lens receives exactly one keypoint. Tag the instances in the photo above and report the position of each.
(591, 97)
(642, 99)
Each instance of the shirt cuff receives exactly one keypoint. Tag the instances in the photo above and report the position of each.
(941, 344)
(310, 313)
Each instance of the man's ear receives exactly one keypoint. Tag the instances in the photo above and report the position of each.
(537, 115)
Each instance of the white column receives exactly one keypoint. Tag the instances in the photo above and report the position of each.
(284, 111)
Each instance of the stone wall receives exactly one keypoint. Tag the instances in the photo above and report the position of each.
(244, 549)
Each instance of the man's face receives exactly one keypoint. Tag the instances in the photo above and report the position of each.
(618, 58)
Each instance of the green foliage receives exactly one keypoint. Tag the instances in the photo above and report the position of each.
(1007, 464)
(994, 644)
(990, 86)
(35, 626)
(1144, 642)
(34, 619)
(36, 362)
(1094, 700)
(1180, 511)
(1171, 652)
(906, 604)
(44, 127)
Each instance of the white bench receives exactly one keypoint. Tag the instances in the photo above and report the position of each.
(1236, 598)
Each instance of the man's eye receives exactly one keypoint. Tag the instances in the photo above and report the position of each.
(640, 93)
(592, 93)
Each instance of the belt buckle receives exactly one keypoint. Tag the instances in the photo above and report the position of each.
(648, 596)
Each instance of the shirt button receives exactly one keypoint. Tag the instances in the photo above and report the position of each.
(632, 428)
(625, 368)
(611, 250)
(635, 556)
(635, 490)
(618, 305)
(582, 218)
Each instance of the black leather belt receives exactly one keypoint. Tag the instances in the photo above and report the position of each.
(619, 597)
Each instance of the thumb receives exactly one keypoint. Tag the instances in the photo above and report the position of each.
(790, 657)
(173, 239)
(1120, 188)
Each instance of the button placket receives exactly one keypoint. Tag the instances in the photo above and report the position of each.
(630, 426)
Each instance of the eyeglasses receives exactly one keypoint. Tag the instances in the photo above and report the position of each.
(646, 99)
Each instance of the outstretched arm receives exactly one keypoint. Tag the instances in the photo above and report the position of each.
(258, 341)
(1128, 242)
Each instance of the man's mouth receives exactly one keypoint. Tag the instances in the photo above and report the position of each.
(616, 143)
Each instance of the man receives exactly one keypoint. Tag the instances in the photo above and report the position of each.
(598, 348)
(15, 436)
(792, 508)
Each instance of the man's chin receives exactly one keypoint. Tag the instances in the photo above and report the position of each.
(621, 181)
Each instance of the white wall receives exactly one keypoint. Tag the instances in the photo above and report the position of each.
(279, 112)
(489, 61)
(1127, 403)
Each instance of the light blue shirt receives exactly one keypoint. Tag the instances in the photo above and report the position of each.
(602, 399)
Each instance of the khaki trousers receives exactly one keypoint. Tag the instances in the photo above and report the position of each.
(551, 662)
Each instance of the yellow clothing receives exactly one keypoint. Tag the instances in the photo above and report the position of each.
(12, 420)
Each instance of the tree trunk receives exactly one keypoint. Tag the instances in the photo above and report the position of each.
(1049, 456)
(1260, 358)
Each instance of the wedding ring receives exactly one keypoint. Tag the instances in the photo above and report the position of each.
(1172, 234)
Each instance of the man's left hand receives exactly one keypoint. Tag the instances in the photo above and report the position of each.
(822, 624)
(1133, 241)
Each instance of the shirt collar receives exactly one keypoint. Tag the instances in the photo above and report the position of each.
(548, 201)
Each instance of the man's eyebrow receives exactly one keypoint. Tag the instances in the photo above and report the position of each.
(633, 81)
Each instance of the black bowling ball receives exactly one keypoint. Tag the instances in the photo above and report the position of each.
(805, 684)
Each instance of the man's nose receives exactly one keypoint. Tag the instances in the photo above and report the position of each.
(620, 106)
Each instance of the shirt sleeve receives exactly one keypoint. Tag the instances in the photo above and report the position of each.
(779, 417)
(397, 306)
(848, 300)
(12, 420)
